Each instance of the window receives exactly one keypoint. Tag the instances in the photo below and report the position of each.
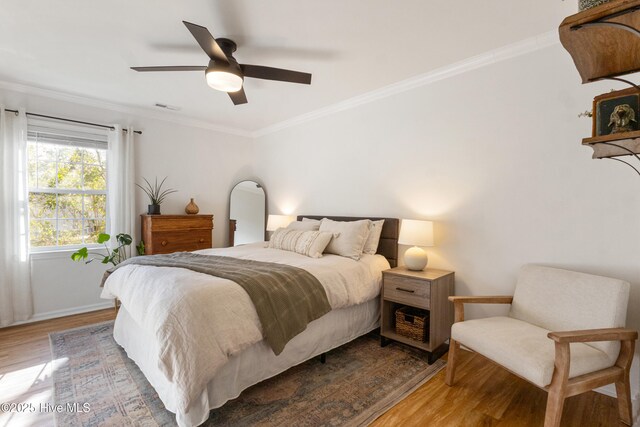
(67, 180)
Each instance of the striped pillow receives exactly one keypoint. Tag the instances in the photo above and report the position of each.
(309, 243)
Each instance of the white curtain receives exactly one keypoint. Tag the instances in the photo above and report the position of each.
(121, 183)
(16, 302)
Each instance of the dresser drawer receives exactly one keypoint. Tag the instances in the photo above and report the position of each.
(407, 290)
(173, 223)
(165, 242)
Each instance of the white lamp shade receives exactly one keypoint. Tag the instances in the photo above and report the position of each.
(277, 221)
(416, 233)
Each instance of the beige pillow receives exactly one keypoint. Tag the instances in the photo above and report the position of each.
(349, 237)
(375, 230)
(309, 243)
(304, 225)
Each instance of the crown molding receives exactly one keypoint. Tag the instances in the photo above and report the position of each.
(137, 111)
(513, 50)
(510, 51)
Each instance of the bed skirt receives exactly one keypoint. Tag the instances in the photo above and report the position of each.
(252, 365)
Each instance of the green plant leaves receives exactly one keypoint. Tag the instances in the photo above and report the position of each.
(80, 254)
(124, 239)
(113, 256)
(140, 248)
(154, 192)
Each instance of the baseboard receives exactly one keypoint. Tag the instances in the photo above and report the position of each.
(65, 312)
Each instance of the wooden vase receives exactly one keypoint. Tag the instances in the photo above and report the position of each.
(192, 208)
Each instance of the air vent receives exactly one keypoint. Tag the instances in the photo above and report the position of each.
(167, 107)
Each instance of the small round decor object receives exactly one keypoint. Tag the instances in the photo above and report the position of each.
(415, 259)
(588, 4)
(192, 208)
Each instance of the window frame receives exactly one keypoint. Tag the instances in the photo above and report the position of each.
(69, 130)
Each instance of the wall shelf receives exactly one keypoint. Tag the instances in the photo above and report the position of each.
(620, 144)
(604, 41)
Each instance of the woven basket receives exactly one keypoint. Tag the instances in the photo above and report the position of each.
(588, 4)
(413, 323)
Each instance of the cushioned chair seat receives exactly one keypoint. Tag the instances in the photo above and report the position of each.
(524, 349)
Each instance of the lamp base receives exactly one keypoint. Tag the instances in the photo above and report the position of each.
(415, 259)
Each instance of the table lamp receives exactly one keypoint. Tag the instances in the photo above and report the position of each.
(279, 221)
(416, 233)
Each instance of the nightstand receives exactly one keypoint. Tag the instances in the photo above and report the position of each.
(429, 290)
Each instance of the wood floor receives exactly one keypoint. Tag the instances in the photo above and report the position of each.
(26, 365)
(484, 394)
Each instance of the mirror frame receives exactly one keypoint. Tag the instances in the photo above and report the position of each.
(266, 207)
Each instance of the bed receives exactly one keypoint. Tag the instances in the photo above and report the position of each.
(148, 293)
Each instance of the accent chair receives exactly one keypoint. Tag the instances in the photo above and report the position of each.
(564, 333)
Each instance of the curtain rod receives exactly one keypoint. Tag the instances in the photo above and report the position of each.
(139, 132)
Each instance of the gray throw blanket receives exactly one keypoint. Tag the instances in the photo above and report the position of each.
(286, 298)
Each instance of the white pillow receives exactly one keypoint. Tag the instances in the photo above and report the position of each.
(309, 243)
(304, 225)
(371, 245)
(349, 237)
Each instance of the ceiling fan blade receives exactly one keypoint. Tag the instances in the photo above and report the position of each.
(207, 42)
(171, 68)
(238, 97)
(270, 73)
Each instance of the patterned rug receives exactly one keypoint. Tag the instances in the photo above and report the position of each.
(358, 383)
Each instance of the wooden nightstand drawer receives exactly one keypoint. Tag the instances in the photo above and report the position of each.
(407, 290)
(427, 290)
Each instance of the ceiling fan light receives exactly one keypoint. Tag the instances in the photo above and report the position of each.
(224, 81)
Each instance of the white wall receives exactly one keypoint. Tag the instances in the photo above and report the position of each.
(493, 156)
(199, 163)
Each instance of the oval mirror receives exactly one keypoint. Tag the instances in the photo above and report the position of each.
(247, 213)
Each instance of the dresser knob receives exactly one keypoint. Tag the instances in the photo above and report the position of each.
(201, 240)
(164, 243)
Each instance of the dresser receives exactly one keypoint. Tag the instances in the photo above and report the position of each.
(427, 290)
(163, 234)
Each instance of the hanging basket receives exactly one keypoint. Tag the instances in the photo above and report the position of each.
(588, 4)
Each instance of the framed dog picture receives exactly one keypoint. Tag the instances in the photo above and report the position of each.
(616, 112)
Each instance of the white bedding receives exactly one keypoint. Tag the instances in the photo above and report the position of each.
(200, 321)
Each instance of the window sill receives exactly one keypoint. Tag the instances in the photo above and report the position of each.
(58, 252)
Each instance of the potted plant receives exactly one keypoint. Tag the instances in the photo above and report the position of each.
(110, 256)
(156, 195)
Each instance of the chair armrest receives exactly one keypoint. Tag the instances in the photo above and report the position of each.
(593, 335)
(562, 363)
(459, 302)
(482, 299)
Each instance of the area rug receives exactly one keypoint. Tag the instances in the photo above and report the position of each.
(99, 385)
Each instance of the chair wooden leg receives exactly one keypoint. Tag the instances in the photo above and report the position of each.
(623, 391)
(558, 386)
(623, 387)
(555, 404)
(454, 349)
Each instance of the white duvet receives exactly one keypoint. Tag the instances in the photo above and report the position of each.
(200, 321)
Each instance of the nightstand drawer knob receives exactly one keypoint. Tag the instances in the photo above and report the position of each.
(164, 243)
(409, 291)
(201, 240)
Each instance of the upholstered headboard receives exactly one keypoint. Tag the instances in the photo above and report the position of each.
(388, 246)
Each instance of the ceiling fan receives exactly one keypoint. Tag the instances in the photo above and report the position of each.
(223, 72)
